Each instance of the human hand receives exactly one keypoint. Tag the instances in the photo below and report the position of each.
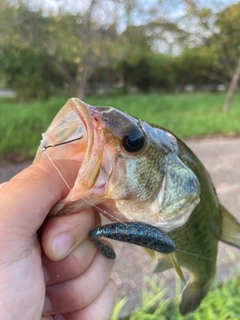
(68, 277)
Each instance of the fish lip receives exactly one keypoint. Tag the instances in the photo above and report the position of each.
(82, 110)
(85, 118)
(91, 165)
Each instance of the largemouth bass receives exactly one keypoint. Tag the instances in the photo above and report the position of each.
(142, 173)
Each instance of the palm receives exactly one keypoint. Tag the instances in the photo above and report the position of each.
(27, 282)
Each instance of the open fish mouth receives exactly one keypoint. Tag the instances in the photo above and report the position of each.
(71, 130)
(76, 131)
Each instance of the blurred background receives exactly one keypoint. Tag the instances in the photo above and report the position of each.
(181, 58)
(175, 63)
(50, 47)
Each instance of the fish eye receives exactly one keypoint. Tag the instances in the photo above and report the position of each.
(133, 141)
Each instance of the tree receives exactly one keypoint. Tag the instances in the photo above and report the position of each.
(135, 49)
(232, 87)
(72, 45)
(143, 42)
(229, 40)
(220, 31)
(22, 67)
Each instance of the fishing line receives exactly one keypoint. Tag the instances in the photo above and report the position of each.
(59, 172)
(56, 145)
(103, 211)
(64, 180)
(100, 209)
(196, 255)
(95, 206)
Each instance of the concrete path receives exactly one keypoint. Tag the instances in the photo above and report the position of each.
(221, 157)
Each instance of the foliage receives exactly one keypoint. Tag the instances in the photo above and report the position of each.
(45, 53)
(68, 47)
(226, 41)
(222, 302)
(195, 66)
(151, 72)
(221, 33)
(135, 57)
(187, 115)
(29, 73)
(163, 72)
(154, 71)
(228, 23)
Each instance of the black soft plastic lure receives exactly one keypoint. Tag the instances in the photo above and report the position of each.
(138, 233)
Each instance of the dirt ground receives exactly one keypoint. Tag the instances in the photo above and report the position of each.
(221, 157)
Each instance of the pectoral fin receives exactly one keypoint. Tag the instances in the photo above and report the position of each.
(177, 267)
(230, 228)
(163, 265)
(170, 263)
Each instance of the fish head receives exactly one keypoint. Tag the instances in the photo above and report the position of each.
(128, 167)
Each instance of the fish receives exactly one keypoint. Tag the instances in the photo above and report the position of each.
(143, 175)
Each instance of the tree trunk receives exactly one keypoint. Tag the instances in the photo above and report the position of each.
(232, 87)
(80, 92)
(61, 69)
(82, 77)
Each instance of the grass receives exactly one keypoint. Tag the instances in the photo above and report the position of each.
(185, 114)
(221, 303)
(22, 123)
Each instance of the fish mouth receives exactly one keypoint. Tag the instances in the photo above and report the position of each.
(75, 133)
(71, 133)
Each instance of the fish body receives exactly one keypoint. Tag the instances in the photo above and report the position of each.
(142, 173)
(197, 240)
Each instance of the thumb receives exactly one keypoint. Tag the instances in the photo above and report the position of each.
(28, 197)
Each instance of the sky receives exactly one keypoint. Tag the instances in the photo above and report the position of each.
(82, 5)
(106, 13)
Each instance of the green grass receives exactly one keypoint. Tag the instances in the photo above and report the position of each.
(221, 303)
(22, 123)
(185, 114)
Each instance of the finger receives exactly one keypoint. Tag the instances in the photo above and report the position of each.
(72, 266)
(101, 308)
(2, 184)
(76, 294)
(34, 190)
(61, 235)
